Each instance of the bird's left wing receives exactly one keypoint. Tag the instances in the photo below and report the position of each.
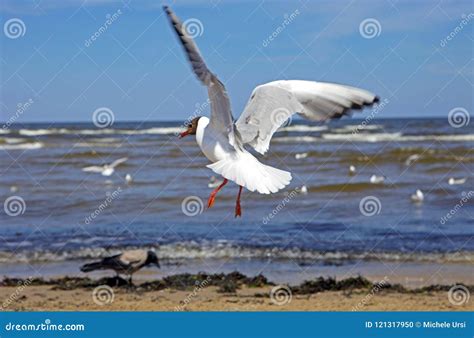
(221, 113)
(93, 169)
(273, 103)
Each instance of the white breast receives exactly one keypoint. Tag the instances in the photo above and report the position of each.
(213, 143)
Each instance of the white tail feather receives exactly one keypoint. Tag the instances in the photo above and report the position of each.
(247, 171)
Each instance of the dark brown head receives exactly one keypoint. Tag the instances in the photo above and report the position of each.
(191, 127)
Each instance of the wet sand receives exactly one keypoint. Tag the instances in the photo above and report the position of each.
(223, 292)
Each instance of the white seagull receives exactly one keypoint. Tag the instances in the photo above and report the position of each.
(418, 196)
(300, 156)
(375, 179)
(214, 182)
(223, 141)
(106, 169)
(352, 170)
(303, 189)
(456, 181)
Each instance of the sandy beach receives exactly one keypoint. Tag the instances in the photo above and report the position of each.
(224, 292)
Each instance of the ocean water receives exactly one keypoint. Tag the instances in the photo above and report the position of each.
(69, 214)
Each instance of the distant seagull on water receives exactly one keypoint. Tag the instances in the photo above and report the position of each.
(301, 156)
(418, 196)
(375, 179)
(126, 263)
(456, 181)
(214, 182)
(352, 170)
(304, 190)
(106, 169)
(270, 105)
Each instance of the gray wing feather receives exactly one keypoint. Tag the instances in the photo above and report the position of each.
(221, 113)
(271, 104)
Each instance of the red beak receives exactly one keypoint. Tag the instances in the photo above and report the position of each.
(184, 133)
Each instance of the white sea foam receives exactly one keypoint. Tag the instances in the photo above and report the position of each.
(363, 137)
(303, 128)
(225, 250)
(105, 131)
(291, 139)
(36, 132)
(376, 137)
(20, 146)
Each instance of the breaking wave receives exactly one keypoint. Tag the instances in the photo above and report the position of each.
(224, 250)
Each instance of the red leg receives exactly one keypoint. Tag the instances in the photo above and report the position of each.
(238, 209)
(212, 196)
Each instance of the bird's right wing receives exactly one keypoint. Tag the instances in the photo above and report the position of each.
(272, 104)
(221, 113)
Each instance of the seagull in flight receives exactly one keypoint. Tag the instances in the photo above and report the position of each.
(106, 169)
(223, 139)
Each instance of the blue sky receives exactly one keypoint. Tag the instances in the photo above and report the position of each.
(137, 69)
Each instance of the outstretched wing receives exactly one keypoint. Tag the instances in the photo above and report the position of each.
(93, 169)
(119, 161)
(221, 114)
(271, 104)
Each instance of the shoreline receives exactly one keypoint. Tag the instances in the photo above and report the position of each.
(408, 274)
(226, 292)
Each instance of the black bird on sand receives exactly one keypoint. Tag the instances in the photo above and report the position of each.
(128, 262)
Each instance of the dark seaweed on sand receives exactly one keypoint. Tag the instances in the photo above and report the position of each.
(225, 283)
